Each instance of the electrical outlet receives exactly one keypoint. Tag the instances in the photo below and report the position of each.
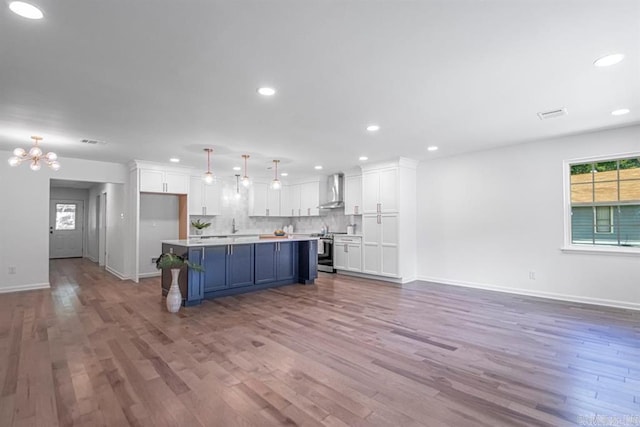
(532, 275)
(12, 270)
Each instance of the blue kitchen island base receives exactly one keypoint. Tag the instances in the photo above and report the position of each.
(232, 268)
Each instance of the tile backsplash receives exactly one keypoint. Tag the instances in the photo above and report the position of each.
(238, 208)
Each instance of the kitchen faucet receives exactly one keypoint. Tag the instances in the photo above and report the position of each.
(234, 230)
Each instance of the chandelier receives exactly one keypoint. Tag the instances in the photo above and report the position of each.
(35, 157)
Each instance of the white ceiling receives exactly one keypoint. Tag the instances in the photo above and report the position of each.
(156, 79)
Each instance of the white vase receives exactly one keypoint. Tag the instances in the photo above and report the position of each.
(198, 232)
(174, 297)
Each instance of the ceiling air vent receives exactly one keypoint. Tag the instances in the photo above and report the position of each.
(552, 113)
(92, 142)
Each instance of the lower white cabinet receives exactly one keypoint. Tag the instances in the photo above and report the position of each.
(380, 244)
(347, 253)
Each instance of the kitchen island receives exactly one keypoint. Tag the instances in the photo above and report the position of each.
(236, 265)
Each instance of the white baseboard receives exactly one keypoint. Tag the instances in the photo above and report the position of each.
(371, 276)
(20, 288)
(116, 273)
(145, 275)
(92, 259)
(548, 295)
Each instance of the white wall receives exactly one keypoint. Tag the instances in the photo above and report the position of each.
(24, 217)
(159, 220)
(489, 218)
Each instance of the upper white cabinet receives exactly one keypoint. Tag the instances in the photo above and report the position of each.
(310, 198)
(353, 194)
(263, 200)
(290, 201)
(204, 199)
(380, 190)
(163, 181)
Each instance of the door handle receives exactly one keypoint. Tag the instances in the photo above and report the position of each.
(203, 255)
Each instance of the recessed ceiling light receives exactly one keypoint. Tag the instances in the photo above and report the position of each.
(174, 160)
(620, 112)
(284, 174)
(363, 158)
(432, 148)
(266, 91)
(318, 167)
(608, 60)
(237, 168)
(25, 10)
(373, 128)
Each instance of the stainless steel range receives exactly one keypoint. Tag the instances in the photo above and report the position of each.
(325, 252)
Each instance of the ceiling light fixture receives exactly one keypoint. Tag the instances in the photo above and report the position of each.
(432, 148)
(608, 60)
(174, 160)
(284, 174)
(266, 91)
(34, 156)
(245, 179)
(620, 112)
(363, 158)
(237, 195)
(25, 10)
(276, 184)
(373, 128)
(318, 168)
(208, 176)
(237, 168)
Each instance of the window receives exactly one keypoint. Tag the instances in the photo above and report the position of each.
(605, 202)
(604, 219)
(65, 216)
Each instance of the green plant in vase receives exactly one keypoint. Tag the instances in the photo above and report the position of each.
(199, 225)
(175, 263)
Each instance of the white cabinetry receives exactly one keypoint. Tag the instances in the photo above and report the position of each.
(353, 195)
(380, 190)
(163, 181)
(348, 253)
(381, 244)
(291, 201)
(204, 199)
(310, 198)
(264, 201)
(389, 219)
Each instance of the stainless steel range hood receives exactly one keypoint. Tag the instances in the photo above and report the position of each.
(335, 192)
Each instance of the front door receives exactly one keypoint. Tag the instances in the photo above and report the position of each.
(66, 219)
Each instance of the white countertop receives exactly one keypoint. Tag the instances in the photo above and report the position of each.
(221, 241)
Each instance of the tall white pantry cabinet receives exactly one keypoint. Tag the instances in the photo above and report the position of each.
(389, 219)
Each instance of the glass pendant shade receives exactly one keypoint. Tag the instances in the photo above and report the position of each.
(208, 176)
(35, 151)
(19, 152)
(14, 161)
(246, 182)
(35, 165)
(276, 184)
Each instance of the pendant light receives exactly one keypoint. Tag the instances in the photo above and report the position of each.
(245, 179)
(237, 195)
(208, 176)
(34, 156)
(276, 184)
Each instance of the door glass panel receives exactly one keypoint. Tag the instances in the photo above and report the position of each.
(65, 216)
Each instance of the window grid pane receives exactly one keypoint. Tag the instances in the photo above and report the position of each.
(65, 216)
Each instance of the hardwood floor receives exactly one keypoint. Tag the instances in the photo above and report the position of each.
(95, 350)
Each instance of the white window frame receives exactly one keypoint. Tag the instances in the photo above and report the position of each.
(568, 246)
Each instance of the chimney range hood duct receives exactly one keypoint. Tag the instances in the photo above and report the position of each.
(335, 192)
